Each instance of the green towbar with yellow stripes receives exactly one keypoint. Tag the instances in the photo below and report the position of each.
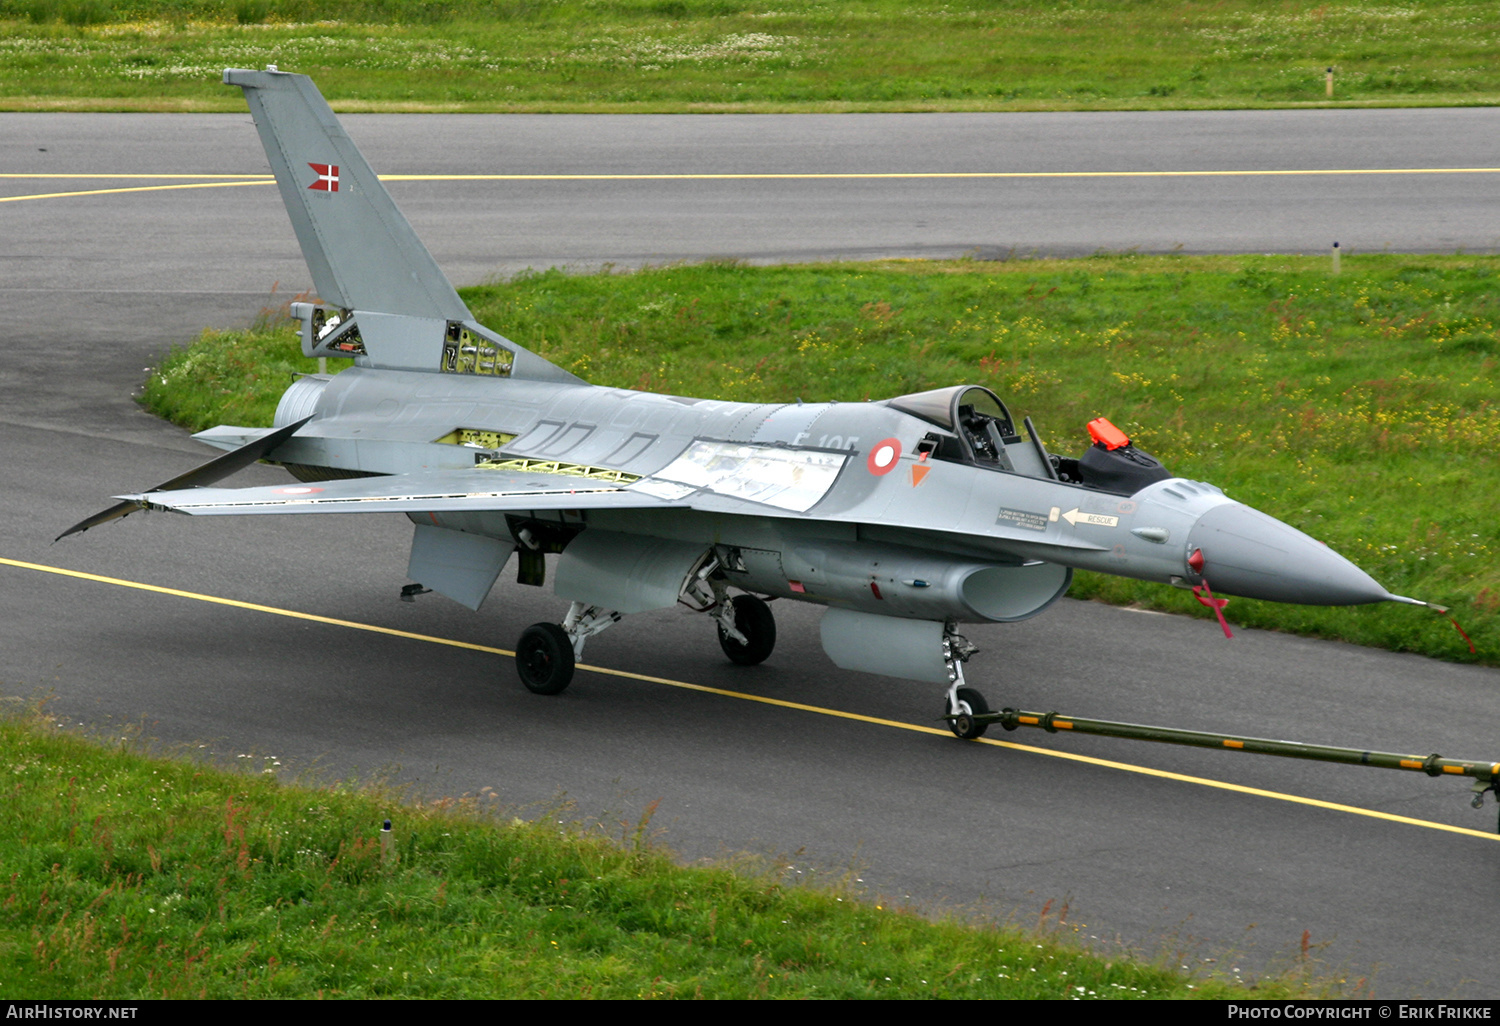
(1485, 774)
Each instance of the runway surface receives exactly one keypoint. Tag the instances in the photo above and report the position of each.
(95, 286)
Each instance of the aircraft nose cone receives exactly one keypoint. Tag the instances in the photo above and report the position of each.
(1248, 553)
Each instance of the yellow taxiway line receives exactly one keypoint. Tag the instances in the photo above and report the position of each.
(1124, 767)
(225, 180)
(135, 188)
(845, 175)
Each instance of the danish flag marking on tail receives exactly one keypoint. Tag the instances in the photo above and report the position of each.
(328, 177)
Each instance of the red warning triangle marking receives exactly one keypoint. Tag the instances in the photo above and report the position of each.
(917, 473)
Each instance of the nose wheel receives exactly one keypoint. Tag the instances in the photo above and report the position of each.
(969, 703)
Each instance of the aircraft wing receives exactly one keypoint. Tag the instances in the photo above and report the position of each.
(436, 491)
(711, 476)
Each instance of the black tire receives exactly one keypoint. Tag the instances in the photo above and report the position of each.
(544, 659)
(753, 619)
(964, 726)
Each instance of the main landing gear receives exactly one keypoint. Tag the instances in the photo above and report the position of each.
(544, 658)
(548, 653)
(747, 630)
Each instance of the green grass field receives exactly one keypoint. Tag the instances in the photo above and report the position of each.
(1362, 409)
(751, 55)
(131, 878)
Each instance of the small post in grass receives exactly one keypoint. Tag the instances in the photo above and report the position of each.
(387, 846)
(1335, 258)
(1328, 82)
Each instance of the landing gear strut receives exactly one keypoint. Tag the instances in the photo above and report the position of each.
(965, 706)
(747, 628)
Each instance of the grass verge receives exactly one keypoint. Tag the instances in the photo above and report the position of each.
(131, 877)
(751, 55)
(1361, 408)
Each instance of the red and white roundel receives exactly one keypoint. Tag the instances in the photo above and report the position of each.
(883, 457)
(297, 491)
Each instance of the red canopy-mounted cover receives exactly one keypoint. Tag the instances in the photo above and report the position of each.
(1106, 434)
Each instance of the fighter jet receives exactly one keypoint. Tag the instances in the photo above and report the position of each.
(905, 518)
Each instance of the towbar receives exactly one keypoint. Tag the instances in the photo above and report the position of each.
(1433, 765)
(1486, 775)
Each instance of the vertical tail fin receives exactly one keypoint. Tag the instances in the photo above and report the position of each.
(362, 252)
(396, 310)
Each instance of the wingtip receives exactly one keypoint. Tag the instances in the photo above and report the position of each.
(115, 512)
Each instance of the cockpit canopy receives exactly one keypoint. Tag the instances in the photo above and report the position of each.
(977, 429)
(980, 425)
(956, 406)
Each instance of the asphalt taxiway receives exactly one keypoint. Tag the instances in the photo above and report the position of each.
(1168, 851)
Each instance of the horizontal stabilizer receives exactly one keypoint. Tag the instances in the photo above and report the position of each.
(229, 437)
(215, 469)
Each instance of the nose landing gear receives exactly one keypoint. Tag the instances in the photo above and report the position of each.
(963, 720)
(965, 708)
